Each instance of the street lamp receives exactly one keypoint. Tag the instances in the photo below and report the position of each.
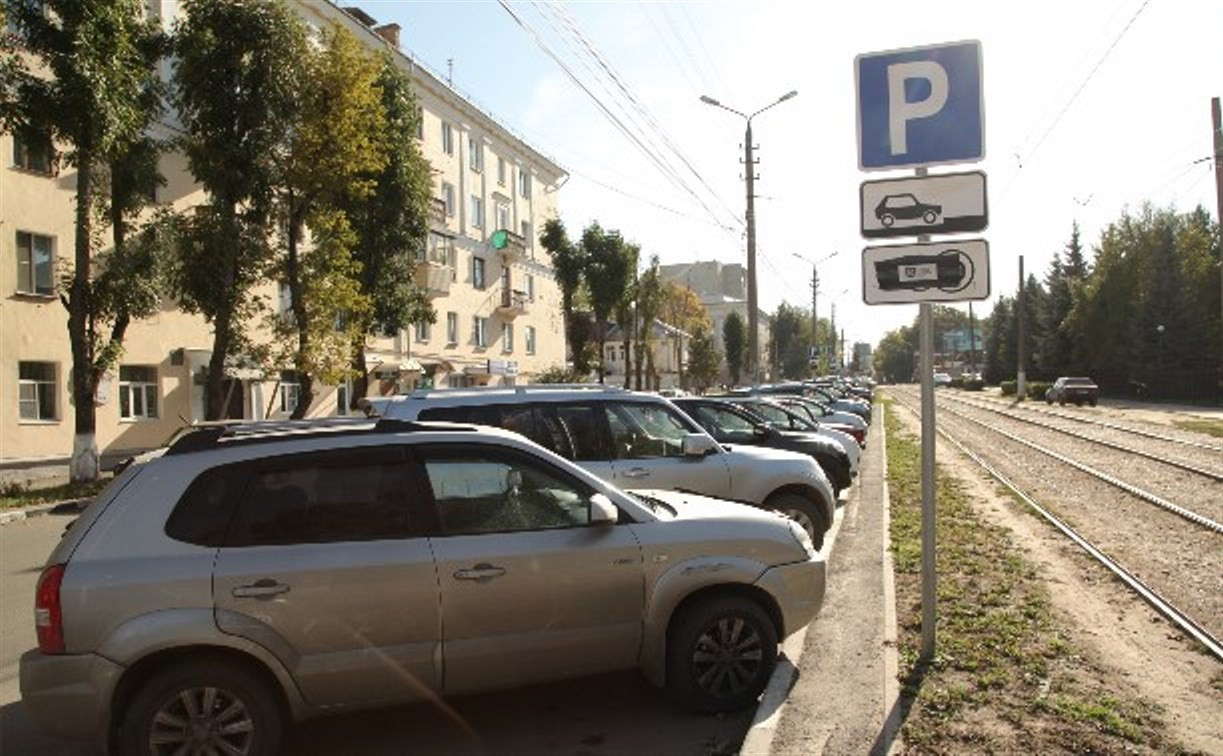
(749, 165)
(815, 287)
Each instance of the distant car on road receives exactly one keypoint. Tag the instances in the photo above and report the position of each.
(1077, 390)
(906, 207)
(942, 379)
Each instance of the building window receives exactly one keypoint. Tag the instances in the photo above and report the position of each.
(503, 216)
(32, 154)
(611, 354)
(501, 171)
(452, 328)
(422, 331)
(477, 272)
(138, 392)
(507, 337)
(524, 184)
(35, 263)
(36, 390)
(448, 198)
(475, 155)
(479, 333)
(477, 212)
(447, 138)
(529, 281)
(530, 340)
(290, 390)
(505, 279)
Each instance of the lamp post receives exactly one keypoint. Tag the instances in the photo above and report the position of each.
(835, 362)
(753, 336)
(815, 287)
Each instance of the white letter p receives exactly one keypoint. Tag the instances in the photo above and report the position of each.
(900, 111)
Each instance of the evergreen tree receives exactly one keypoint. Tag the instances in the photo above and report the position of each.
(734, 340)
(704, 359)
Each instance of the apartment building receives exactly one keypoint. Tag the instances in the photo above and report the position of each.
(490, 282)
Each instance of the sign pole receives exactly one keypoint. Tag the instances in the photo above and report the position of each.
(929, 580)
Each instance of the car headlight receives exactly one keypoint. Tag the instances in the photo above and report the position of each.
(804, 540)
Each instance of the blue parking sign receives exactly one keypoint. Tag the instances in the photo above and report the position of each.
(920, 106)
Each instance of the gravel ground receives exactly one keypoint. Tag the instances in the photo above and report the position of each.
(1180, 560)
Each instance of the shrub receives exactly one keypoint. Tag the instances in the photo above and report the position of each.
(957, 382)
(974, 384)
(1009, 387)
(1037, 389)
(559, 374)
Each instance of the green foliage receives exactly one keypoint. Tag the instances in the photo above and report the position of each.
(569, 262)
(1009, 387)
(790, 338)
(734, 339)
(1036, 389)
(682, 309)
(704, 359)
(560, 374)
(610, 265)
(974, 384)
(648, 304)
(893, 359)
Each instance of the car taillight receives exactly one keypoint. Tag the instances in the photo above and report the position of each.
(48, 615)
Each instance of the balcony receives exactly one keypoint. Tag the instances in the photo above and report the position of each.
(513, 303)
(433, 278)
(511, 246)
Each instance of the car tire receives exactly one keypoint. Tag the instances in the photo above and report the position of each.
(1048, 401)
(1061, 402)
(720, 654)
(887, 220)
(801, 510)
(226, 697)
(1092, 402)
(929, 216)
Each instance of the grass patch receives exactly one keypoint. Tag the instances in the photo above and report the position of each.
(15, 495)
(1201, 425)
(1006, 677)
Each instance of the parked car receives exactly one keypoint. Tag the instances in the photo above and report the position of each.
(823, 417)
(769, 410)
(733, 424)
(1077, 390)
(635, 440)
(859, 407)
(252, 575)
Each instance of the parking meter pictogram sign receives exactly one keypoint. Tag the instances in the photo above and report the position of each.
(920, 106)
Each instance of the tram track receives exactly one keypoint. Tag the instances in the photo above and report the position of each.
(1165, 607)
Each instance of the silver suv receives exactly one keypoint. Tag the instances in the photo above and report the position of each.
(634, 440)
(250, 575)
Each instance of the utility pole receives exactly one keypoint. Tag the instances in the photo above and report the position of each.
(753, 335)
(1217, 122)
(1021, 387)
(815, 320)
(972, 340)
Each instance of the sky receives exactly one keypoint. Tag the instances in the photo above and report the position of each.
(1091, 107)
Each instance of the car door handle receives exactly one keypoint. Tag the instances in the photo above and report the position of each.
(636, 472)
(265, 588)
(481, 572)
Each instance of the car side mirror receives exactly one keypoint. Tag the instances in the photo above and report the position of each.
(602, 511)
(698, 445)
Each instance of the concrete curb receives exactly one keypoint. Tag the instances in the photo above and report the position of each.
(70, 506)
(891, 646)
(759, 740)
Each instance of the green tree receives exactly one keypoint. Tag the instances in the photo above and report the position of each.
(999, 328)
(569, 262)
(734, 339)
(704, 359)
(648, 307)
(237, 84)
(334, 149)
(611, 263)
(682, 309)
(788, 346)
(89, 82)
(391, 222)
(893, 359)
(626, 314)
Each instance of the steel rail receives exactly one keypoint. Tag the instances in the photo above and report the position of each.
(1182, 621)
(1212, 474)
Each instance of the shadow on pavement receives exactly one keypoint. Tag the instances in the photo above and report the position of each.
(910, 686)
(18, 736)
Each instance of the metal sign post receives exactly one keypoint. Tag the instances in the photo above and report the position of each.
(929, 576)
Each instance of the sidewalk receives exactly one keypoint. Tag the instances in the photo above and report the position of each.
(844, 698)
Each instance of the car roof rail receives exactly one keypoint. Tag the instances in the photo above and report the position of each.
(521, 390)
(214, 435)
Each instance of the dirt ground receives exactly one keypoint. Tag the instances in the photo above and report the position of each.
(1148, 656)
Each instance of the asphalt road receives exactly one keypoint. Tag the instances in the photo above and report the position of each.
(613, 714)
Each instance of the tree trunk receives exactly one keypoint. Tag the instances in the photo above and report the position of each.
(679, 363)
(84, 465)
(222, 326)
(293, 272)
(360, 384)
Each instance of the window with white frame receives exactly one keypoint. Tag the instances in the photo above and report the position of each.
(448, 198)
(32, 153)
(36, 390)
(290, 390)
(503, 215)
(447, 138)
(422, 331)
(530, 339)
(524, 184)
(452, 328)
(35, 264)
(528, 281)
(475, 155)
(507, 337)
(477, 211)
(138, 392)
(477, 272)
(479, 331)
(501, 171)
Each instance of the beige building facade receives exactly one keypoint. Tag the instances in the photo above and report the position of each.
(489, 280)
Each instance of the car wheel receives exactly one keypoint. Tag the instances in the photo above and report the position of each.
(1048, 401)
(1092, 402)
(930, 216)
(887, 220)
(1061, 402)
(202, 707)
(720, 654)
(802, 511)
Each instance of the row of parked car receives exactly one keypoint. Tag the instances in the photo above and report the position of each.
(455, 541)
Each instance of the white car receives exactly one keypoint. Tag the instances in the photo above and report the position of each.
(942, 379)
